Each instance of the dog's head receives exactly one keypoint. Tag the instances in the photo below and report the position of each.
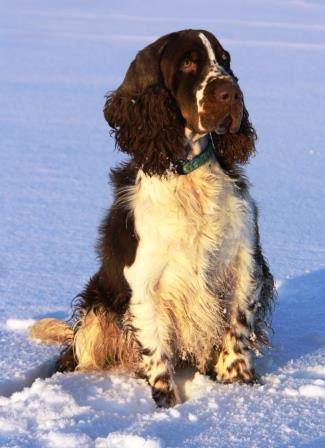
(182, 80)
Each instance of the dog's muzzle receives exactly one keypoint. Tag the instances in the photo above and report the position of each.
(222, 107)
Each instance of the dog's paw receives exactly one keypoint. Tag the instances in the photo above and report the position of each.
(238, 371)
(67, 361)
(164, 399)
(164, 393)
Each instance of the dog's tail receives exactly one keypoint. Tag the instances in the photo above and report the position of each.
(51, 331)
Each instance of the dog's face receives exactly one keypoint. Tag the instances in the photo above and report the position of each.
(196, 70)
(181, 81)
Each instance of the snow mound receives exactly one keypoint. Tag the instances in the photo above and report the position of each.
(19, 324)
(116, 440)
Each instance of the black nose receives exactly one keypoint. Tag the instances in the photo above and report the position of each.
(228, 93)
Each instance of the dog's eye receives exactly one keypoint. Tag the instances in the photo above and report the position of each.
(225, 57)
(188, 66)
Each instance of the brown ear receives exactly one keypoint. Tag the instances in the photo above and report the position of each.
(144, 116)
(236, 148)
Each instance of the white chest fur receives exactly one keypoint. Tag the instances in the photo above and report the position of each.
(190, 229)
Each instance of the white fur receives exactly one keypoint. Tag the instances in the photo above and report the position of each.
(196, 142)
(181, 221)
(216, 71)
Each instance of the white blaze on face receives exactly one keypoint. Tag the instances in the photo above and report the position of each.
(216, 71)
(215, 68)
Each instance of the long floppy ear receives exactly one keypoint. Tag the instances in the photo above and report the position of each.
(144, 116)
(236, 148)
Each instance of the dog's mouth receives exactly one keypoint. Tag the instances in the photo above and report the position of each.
(227, 123)
(230, 124)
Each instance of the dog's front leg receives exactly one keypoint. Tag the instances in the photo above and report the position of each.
(152, 333)
(236, 359)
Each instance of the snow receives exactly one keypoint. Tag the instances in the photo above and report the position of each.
(58, 59)
(19, 324)
(115, 440)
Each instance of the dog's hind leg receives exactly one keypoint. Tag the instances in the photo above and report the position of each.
(100, 339)
(101, 343)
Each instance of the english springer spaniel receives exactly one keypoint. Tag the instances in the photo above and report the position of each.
(182, 275)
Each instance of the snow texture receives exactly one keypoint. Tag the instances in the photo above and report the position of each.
(57, 61)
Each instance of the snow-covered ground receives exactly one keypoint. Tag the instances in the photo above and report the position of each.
(57, 60)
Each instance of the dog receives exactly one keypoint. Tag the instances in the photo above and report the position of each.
(182, 275)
